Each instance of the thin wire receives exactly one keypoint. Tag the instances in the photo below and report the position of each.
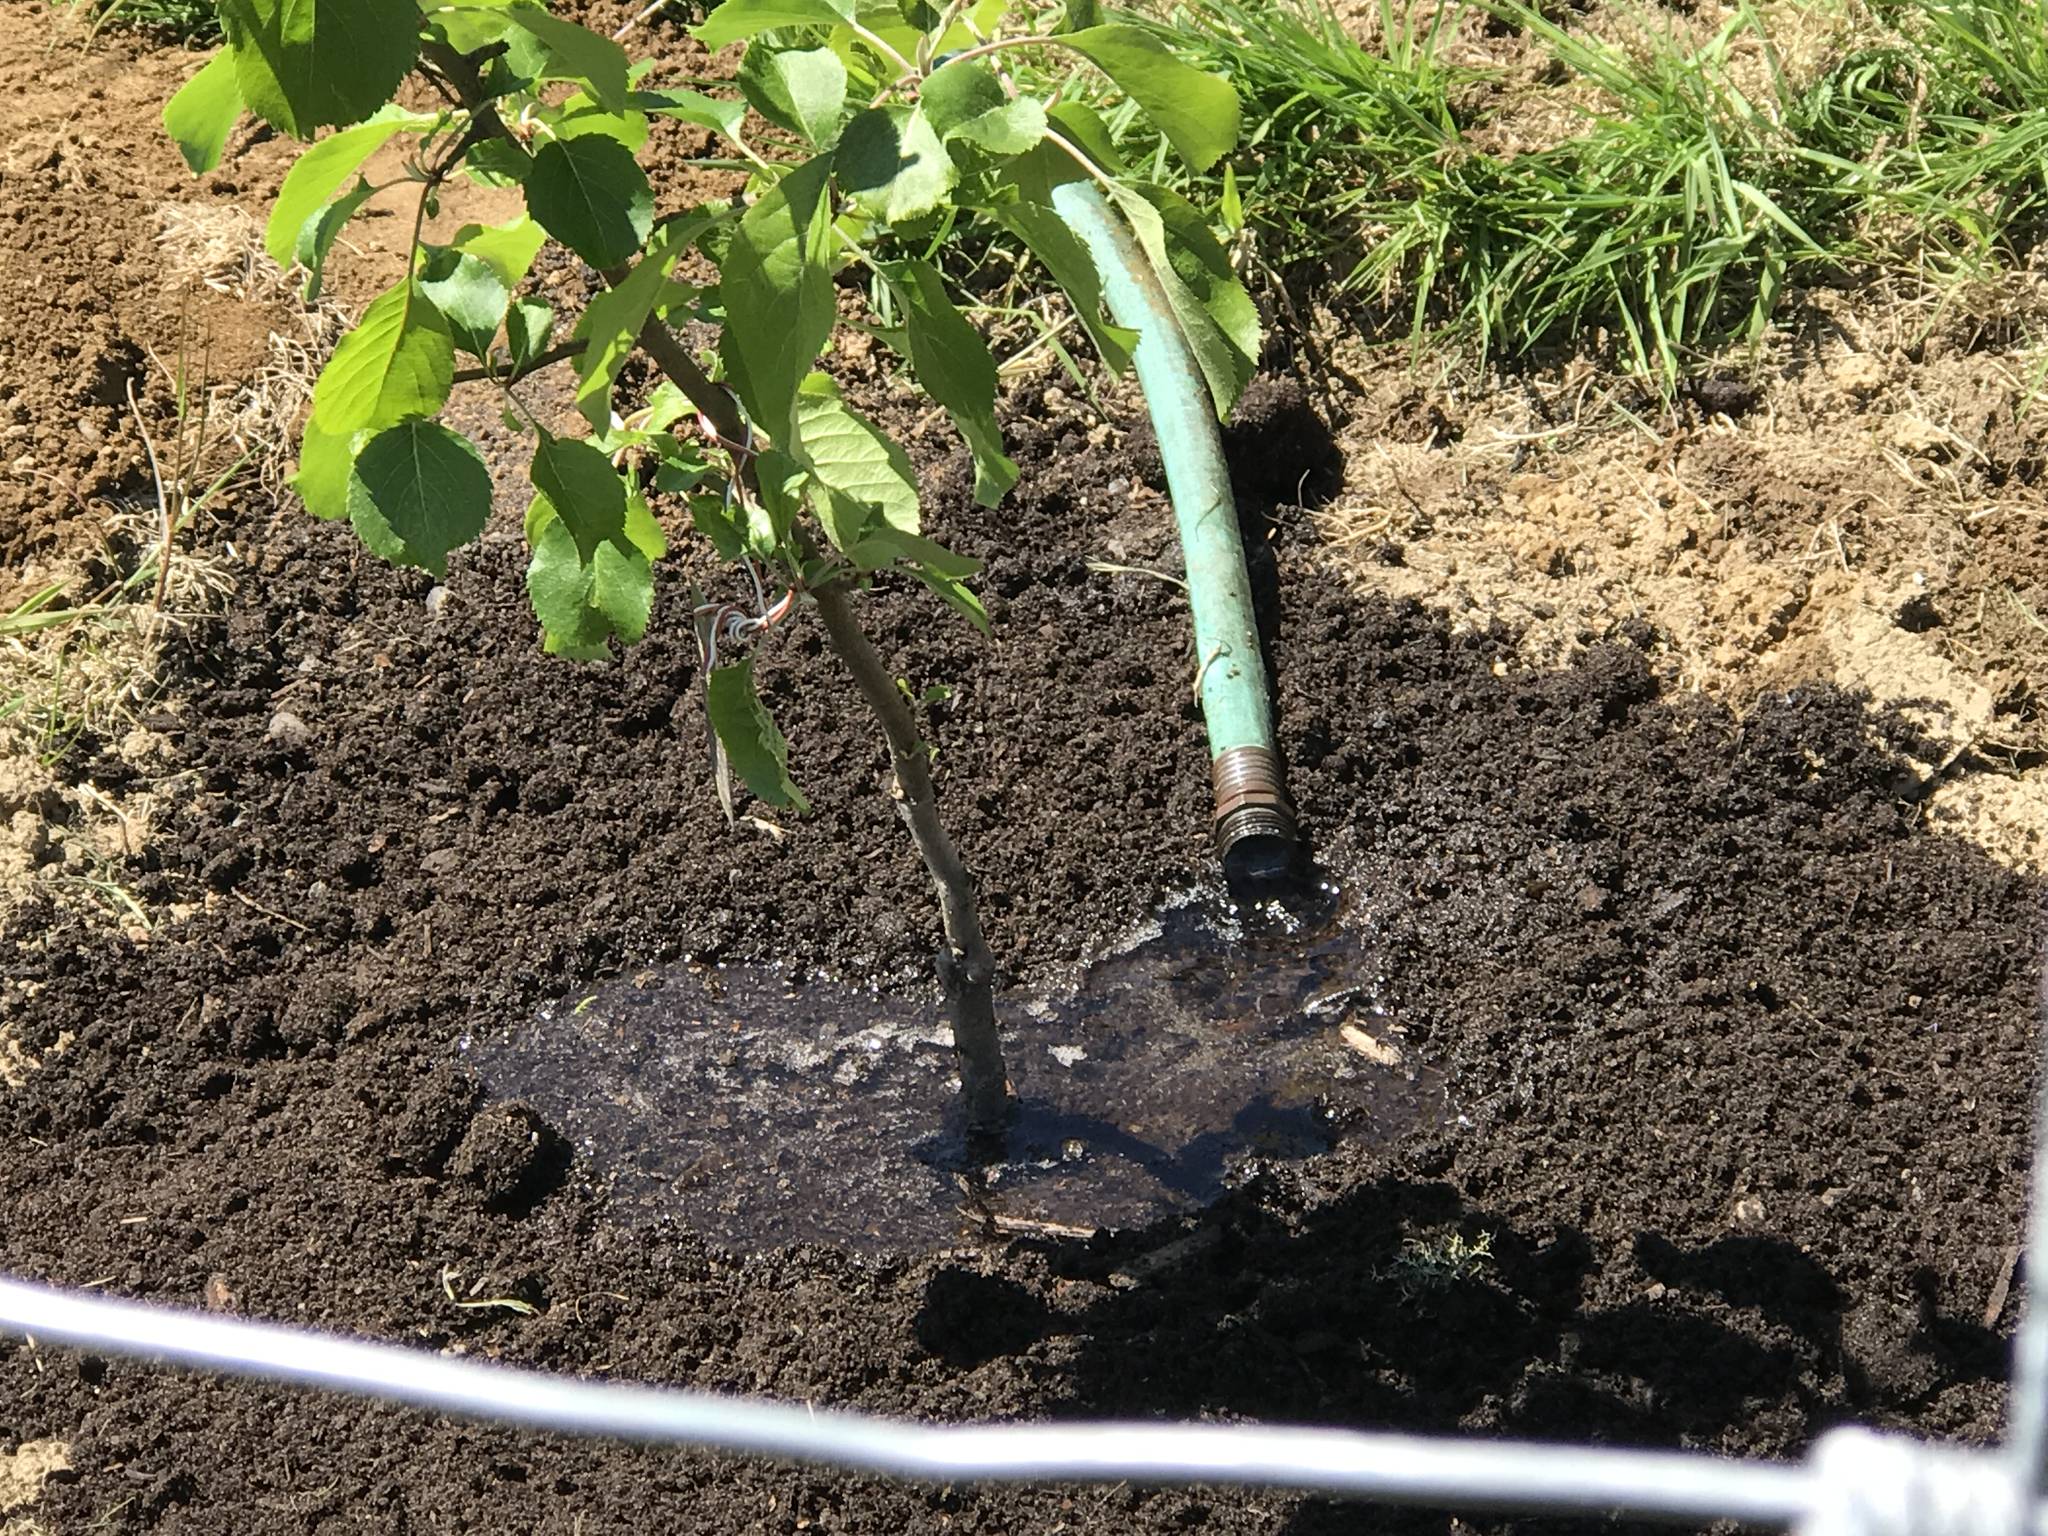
(1468, 1474)
(2027, 1414)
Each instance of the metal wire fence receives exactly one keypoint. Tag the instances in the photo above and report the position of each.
(1854, 1482)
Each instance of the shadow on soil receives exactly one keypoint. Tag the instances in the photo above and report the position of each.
(1401, 1307)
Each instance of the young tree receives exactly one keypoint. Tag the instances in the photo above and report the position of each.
(878, 128)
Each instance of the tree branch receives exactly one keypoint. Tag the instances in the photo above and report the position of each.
(547, 359)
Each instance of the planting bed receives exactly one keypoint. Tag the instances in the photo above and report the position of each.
(1737, 1053)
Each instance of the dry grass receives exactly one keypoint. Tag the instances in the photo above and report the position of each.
(82, 656)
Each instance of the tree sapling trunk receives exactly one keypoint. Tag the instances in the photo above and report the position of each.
(967, 971)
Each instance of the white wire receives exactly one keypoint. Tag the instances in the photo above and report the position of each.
(2027, 1414)
(1464, 1474)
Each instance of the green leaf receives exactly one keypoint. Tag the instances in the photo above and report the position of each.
(399, 361)
(965, 100)
(203, 113)
(419, 490)
(938, 568)
(1215, 313)
(892, 165)
(666, 406)
(1045, 166)
(776, 286)
(1078, 15)
(539, 512)
(845, 520)
(1228, 205)
(952, 362)
(529, 327)
(577, 54)
(519, 68)
(582, 603)
(590, 194)
(306, 64)
(753, 745)
(717, 113)
(470, 29)
(585, 491)
(1067, 259)
(318, 234)
(611, 325)
(509, 248)
(957, 595)
(884, 544)
(738, 19)
(498, 163)
(713, 518)
(580, 117)
(780, 480)
(1196, 111)
(863, 468)
(470, 295)
(643, 530)
(320, 171)
(800, 89)
(1084, 126)
(325, 463)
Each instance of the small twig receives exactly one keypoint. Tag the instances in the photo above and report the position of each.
(880, 45)
(1060, 141)
(1026, 1226)
(256, 906)
(1111, 568)
(636, 18)
(2008, 1262)
(547, 359)
(163, 502)
(450, 1274)
(982, 51)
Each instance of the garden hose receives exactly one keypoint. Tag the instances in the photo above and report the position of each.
(1254, 827)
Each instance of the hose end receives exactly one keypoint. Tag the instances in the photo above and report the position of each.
(1256, 836)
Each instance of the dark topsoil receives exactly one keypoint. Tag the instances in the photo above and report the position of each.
(1743, 1056)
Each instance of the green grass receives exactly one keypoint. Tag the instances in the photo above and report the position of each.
(1695, 183)
(187, 21)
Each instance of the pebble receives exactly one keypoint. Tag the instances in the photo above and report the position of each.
(288, 731)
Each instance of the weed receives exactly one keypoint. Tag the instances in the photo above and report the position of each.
(1430, 1266)
(194, 22)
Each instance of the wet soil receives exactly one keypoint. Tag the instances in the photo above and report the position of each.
(759, 1108)
(1742, 1051)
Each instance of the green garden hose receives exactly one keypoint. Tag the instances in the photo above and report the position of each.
(1254, 825)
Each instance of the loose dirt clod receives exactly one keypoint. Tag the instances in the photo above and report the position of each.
(507, 1154)
(25, 1469)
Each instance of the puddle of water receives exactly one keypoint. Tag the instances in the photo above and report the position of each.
(764, 1112)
